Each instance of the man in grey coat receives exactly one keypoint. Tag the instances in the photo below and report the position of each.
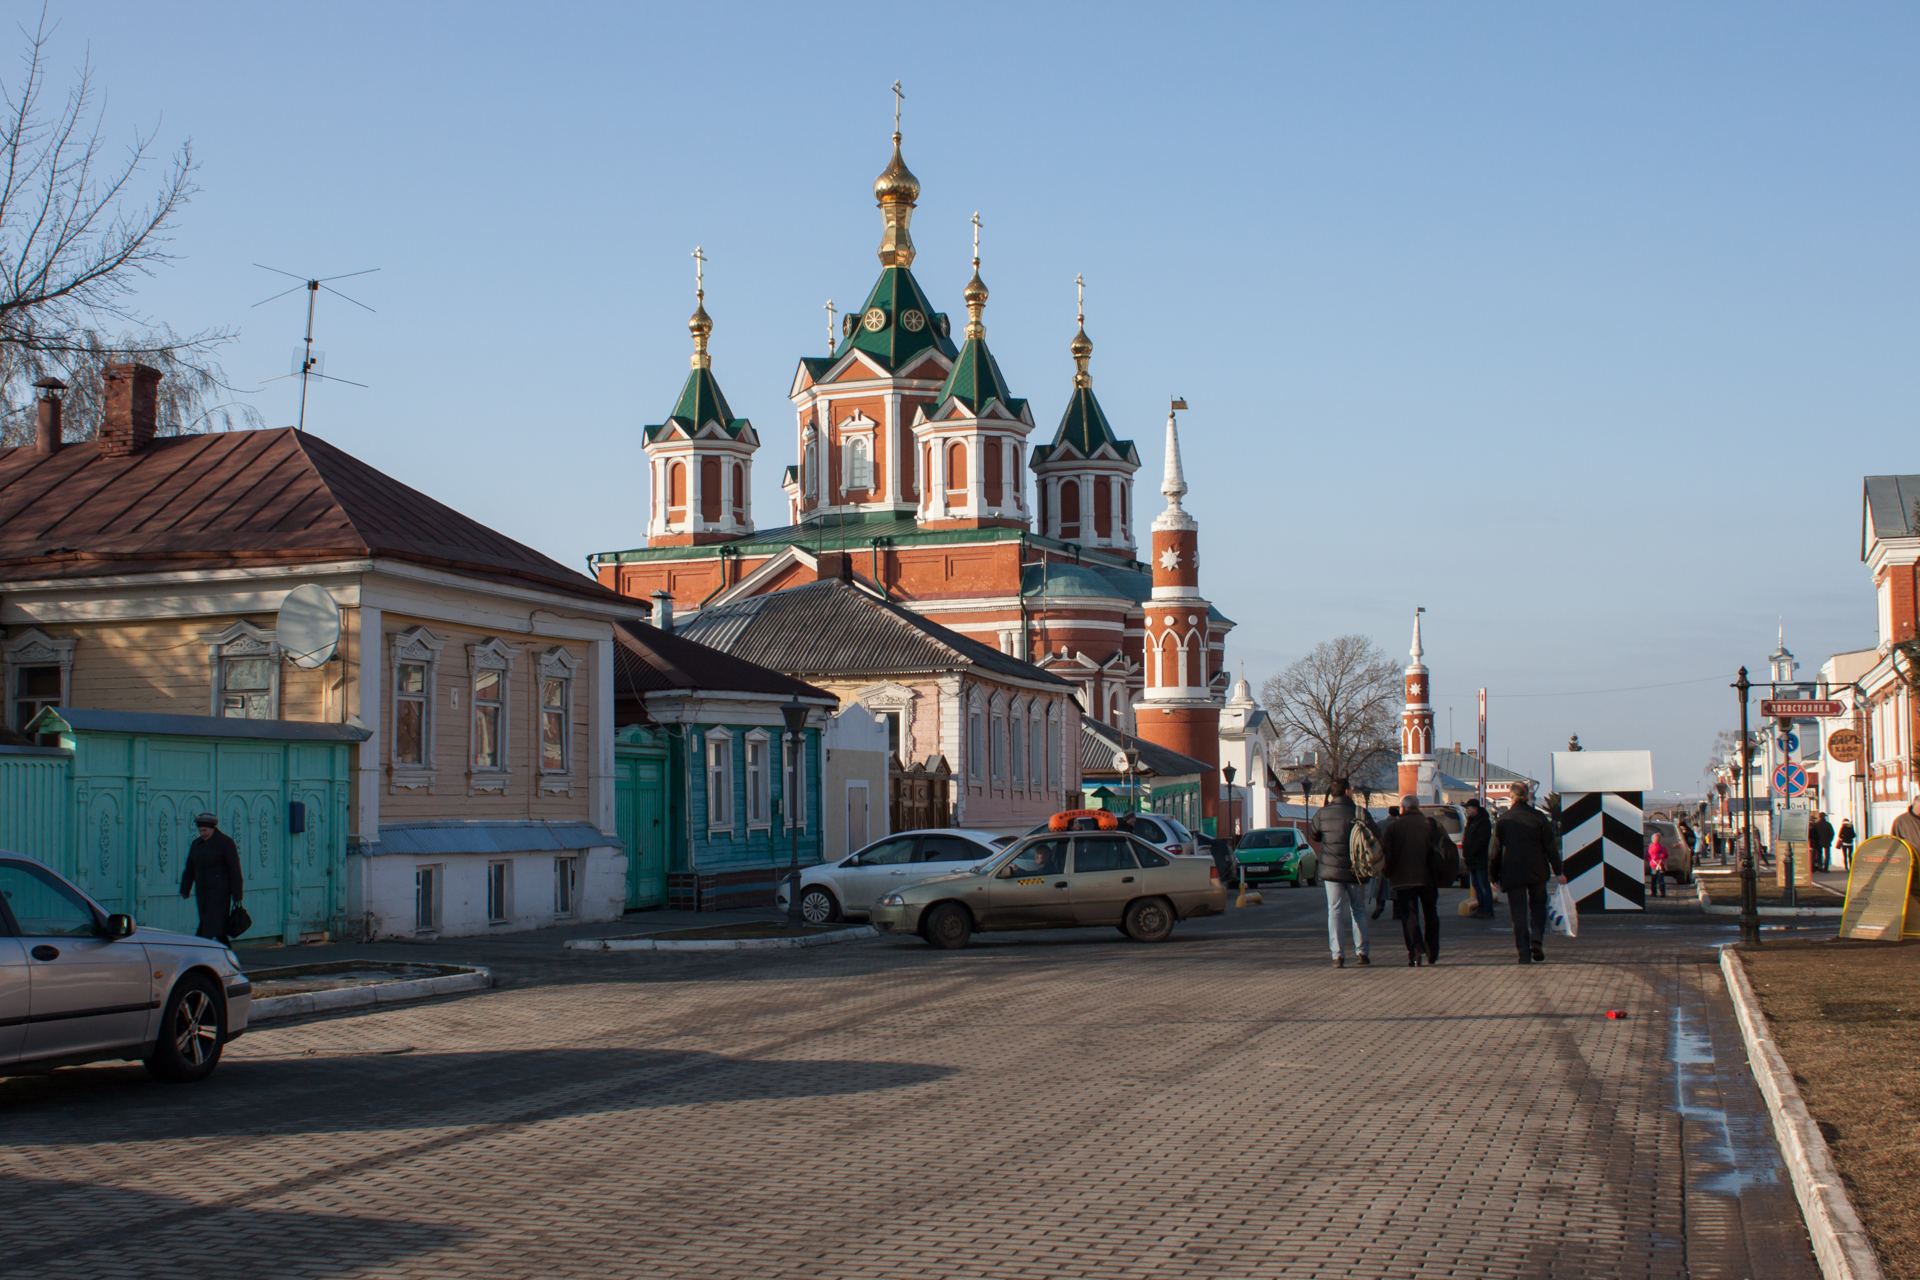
(1329, 832)
(212, 877)
(1525, 851)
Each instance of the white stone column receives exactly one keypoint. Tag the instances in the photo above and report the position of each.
(890, 427)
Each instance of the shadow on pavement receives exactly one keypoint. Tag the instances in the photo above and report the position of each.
(50, 1221)
(342, 1090)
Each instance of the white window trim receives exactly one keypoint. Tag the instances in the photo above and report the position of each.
(505, 867)
(491, 654)
(569, 864)
(438, 873)
(996, 737)
(889, 696)
(1056, 736)
(710, 739)
(557, 664)
(793, 782)
(765, 820)
(415, 644)
(242, 640)
(35, 648)
(858, 427)
(1017, 733)
(976, 753)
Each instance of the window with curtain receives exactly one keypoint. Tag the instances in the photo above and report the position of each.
(1016, 744)
(489, 715)
(757, 782)
(976, 764)
(555, 712)
(720, 783)
(411, 712)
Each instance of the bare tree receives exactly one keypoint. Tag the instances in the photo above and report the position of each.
(1343, 699)
(73, 247)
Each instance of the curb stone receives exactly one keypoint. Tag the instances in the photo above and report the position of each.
(1706, 905)
(1839, 1239)
(476, 979)
(720, 944)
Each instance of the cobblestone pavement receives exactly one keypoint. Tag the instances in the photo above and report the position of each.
(1040, 1105)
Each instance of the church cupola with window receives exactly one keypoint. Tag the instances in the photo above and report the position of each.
(973, 439)
(855, 406)
(1083, 481)
(700, 460)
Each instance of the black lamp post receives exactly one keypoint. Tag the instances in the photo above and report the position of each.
(1233, 825)
(1133, 779)
(1749, 889)
(796, 716)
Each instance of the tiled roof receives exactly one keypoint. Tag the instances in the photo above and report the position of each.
(976, 381)
(1889, 506)
(1099, 741)
(894, 346)
(649, 660)
(238, 498)
(1053, 580)
(1083, 430)
(833, 629)
(701, 402)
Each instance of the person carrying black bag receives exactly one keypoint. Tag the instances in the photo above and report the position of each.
(212, 877)
(1416, 867)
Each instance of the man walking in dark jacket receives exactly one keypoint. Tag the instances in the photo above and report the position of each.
(1330, 831)
(1473, 851)
(212, 877)
(1403, 848)
(1525, 851)
(1820, 840)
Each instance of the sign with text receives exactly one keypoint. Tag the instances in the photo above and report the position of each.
(1877, 891)
(1801, 708)
(1845, 745)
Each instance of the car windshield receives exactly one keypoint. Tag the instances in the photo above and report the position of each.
(1270, 838)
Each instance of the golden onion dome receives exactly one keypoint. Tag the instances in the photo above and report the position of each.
(976, 291)
(1082, 346)
(896, 183)
(700, 325)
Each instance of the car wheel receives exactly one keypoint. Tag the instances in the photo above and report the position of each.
(817, 905)
(191, 1031)
(948, 927)
(1149, 920)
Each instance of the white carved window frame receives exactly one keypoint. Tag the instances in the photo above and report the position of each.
(793, 782)
(241, 640)
(997, 740)
(1056, 734)
(556, 664)
(976, 749)
(896, 698)
(864, 429)
(1017, 743)
(415, 644)
(762, 775)
(716, 762)
(490, 654)
(35, 648)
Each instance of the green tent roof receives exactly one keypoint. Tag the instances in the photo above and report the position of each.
(1084, 426)
(700, 403)
(894, 345)
(975, 380)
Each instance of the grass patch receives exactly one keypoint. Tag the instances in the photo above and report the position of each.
(1846, 1015)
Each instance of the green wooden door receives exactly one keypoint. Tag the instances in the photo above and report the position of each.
(253, 812)
(180, 775)
(641, 787)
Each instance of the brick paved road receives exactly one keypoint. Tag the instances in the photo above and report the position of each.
(1064, 1104)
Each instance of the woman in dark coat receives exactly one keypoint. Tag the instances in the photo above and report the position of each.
(1403, 848)
(212, 877)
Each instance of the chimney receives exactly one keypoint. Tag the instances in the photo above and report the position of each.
(46, 433)
(133, 410)
(663, 611)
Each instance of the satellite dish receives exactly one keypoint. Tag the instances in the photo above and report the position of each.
(309, 625)
(1119, 762)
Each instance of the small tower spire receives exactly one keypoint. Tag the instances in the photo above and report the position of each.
(1173, 481)
(1082, 346)
(700, 324)
(1417, 653)
(895, 191)
(976, 291)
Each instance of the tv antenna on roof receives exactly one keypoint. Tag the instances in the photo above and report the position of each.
(307, 364)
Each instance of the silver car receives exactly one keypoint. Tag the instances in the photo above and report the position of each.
(80, 985)
(847, 889)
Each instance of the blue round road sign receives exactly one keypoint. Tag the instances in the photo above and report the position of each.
(1789, 779)
(1790, 743)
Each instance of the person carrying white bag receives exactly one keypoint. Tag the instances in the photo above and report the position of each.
(1524, 855)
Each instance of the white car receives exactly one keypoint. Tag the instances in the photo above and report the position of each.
(78, 984)
(848, 888)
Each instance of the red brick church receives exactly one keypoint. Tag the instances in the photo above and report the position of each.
(912, 455)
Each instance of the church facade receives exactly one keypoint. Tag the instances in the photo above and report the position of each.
(910, 478)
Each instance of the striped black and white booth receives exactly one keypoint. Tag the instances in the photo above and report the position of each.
(1602, 840)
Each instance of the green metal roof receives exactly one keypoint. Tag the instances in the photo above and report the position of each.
(700, 403)
(1084, 426)
(976, 380)
(894, 345)
(1069, 581)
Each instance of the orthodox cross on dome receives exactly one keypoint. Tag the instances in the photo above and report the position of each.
(898, 98)
(976, 291)
(1080, 303)
(699, 272)
(700, 324)
(1082, 346)
(832, 341)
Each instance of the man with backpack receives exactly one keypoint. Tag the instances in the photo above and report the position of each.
(1342, 835)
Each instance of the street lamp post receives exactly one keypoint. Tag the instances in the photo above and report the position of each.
(1749, 888)
(1133, 779)
(1233, 824)
(796, 716)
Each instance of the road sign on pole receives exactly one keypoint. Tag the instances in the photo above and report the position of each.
(1801, 708)
(1789, 779)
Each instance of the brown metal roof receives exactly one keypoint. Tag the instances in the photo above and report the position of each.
(238, 498)
(649, 660)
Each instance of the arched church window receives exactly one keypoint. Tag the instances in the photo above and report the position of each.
(739, 492)
(676, 492)
(1102, 508)
(995, 460)
(1069, 509)
(859, 465)
(957, 467)
(810, 473)
(1040, 496)
(710, 494)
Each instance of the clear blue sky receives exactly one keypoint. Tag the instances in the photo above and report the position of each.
(1576, 325)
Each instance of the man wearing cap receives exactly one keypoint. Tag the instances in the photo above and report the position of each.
(1524, 855)
(212, 877)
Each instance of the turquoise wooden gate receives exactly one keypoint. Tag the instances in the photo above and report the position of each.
(130, 786)
(640, 789)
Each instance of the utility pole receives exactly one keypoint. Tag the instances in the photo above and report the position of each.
(1749, 890)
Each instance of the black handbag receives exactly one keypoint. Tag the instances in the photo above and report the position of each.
(1443, 859)
(238, 921)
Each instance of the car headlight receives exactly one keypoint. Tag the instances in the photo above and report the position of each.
(893, 900)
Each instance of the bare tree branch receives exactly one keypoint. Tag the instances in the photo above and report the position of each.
(1343, 698)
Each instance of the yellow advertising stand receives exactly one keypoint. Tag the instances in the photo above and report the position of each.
(1878, 885)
